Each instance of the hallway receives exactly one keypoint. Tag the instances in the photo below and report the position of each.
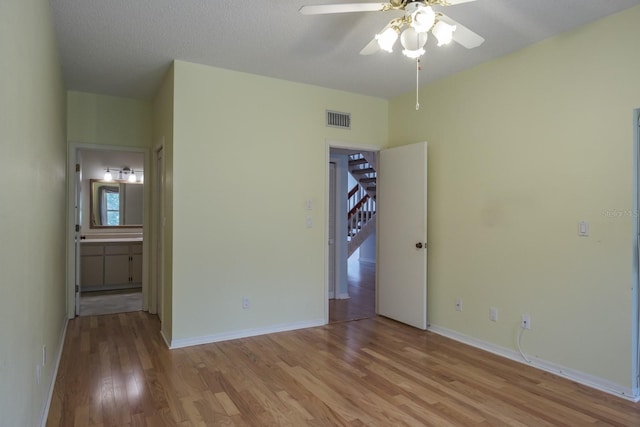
(362, 293)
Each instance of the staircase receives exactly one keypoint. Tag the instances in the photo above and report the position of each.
(361, 204)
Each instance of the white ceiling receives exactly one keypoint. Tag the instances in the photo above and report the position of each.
(123, 47)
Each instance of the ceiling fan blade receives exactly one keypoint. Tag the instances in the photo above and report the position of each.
(462, 35)
(320, 9)
(373, 46)
(454, 2)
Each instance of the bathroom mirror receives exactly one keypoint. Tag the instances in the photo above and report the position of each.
(116, 204)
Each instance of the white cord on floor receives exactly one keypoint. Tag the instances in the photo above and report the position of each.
(519, 347)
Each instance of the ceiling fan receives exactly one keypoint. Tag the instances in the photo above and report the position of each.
(419, 18)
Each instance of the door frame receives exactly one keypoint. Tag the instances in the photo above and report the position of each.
(329, 144)
(72, 158)
(332, 229)
(156, 289)
(635, 279)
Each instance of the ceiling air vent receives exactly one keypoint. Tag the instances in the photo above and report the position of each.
(335, 119)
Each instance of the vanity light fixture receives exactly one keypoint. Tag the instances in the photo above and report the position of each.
(125, 174)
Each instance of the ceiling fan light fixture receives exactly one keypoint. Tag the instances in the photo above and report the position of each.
(413, 54)
(413, 42)
(387, 38)
(423, 18)
(443, 32)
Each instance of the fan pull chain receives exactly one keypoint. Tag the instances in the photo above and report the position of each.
(417, 84)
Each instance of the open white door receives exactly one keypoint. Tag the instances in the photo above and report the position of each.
(402, 234)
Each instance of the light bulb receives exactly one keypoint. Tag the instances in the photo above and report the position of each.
(108, 176)
(132, 177)
(413, 54)
(423, 19)
(387, 38)
(413, 42)
(443, 32)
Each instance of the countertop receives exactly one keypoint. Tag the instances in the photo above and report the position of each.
(112, 240)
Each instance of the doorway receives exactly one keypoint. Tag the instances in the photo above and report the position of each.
(107, 223)
(351, 266)
(401, 228)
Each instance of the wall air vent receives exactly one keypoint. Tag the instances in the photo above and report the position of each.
(336, 119)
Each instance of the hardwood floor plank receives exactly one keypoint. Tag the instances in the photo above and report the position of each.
(336, 401)
(227, 404)
(294, 405)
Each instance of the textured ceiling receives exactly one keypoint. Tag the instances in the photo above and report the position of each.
(123, 47)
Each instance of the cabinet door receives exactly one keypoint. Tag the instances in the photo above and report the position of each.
(136, 264)
(116, 265)
(91, 266)
(91, 271)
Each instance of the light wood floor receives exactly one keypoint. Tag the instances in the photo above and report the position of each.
(116, 371)
(361, 303)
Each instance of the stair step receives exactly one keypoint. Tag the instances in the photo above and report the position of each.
(357, 162)
(367, 180)
(362, 171)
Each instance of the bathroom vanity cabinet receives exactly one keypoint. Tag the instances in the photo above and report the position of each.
(106, 265)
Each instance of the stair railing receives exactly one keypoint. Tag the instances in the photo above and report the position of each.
(361, 207)
(355, 196)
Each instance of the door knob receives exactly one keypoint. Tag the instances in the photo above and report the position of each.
(419, 245)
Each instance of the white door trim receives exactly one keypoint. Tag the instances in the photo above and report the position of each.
(635, 279)
(157, 243)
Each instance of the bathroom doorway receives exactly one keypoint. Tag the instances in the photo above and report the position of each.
(107, 247)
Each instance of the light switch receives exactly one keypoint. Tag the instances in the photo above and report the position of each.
(583, 228)
(309, 204)
(309, 222)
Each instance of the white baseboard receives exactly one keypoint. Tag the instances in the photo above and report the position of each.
(331, 294)
(187, 342)
(367, 260)
(54, 374)
(343, 296)
(562, 371)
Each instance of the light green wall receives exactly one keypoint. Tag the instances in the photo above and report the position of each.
(520, 150)
(32, 211)
(108, 120)
(248, 151)
(163, 134)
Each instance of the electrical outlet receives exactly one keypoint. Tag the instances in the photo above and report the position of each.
(459, 304)
(493, 314)
(526, 321)
(245, 303)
